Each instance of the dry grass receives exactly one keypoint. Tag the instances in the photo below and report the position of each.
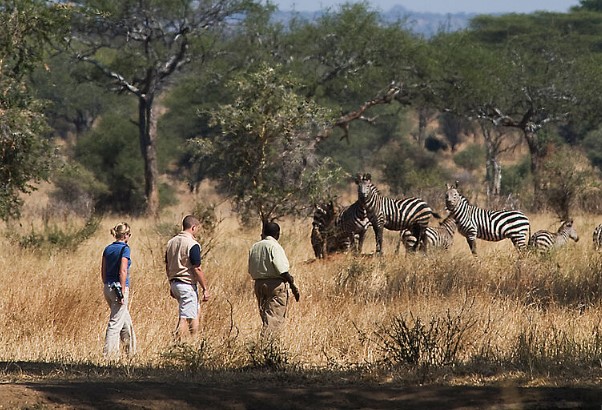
(468, 320)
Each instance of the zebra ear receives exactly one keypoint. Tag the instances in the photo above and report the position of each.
(448, 186)
(367, 177)
(457, 184)
(358, 178)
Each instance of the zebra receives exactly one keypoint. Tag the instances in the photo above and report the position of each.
(598, 237)
(546, 240)
(332, 233)
(322, 219)
(491, 225)
(411, 214)
(440, 237)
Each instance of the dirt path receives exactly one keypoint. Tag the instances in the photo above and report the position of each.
(181, 396)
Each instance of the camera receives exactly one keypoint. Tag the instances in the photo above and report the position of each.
(117, 288)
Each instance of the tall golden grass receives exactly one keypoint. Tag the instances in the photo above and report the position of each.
(498, 313)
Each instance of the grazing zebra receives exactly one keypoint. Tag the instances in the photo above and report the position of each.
(474, 222)
(546, 240)
(331, 233)
(411, 214)
(440, 237)
(598, 237)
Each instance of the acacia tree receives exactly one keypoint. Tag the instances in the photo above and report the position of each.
(25, 155)
(263, 153)
(139, 45)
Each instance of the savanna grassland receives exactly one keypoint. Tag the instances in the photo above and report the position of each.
(444, 319)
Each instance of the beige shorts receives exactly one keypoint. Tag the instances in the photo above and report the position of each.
(187, 297)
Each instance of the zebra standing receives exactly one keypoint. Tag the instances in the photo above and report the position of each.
(598, 237)
(411, 214)
(440, 237)
(352, 223)
(546, 240)
(322, 220)
(331, 233)
(474, 222)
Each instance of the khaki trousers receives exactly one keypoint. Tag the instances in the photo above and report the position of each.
(272, 300)
(120, 326)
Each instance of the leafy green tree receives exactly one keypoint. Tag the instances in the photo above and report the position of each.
(264, 156)
(139, 45)
(26, 157)
(73, 101)
(110, 152)
(568, 177)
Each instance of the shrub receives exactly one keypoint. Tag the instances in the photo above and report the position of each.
(471, 158)
(436, 341)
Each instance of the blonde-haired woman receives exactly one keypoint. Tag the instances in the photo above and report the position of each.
(115, 273)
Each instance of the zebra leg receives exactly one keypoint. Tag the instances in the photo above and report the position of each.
(472, 243)
(399, 242)
(378, 234)
(360, 242)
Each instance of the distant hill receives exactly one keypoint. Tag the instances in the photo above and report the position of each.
(425, 24)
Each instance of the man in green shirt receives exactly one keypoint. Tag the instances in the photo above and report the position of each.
(269, 268)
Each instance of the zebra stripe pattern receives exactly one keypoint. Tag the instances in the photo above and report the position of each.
(411, 214)
(440, 237)
(598, 237)
(545, 240)
(490, 225)
(332, 233)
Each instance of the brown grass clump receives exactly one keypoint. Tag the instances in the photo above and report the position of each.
(446, 316)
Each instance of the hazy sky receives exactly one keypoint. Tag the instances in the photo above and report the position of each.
(440, 6)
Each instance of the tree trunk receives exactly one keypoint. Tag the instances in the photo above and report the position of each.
(537, 155)
(148, 146)
(494, 179)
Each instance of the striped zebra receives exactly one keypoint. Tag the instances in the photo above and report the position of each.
(474, 222)
(440, 237)
(332, 233)
(598, 237)
(411, 214)
(545, 240)
(323, 218)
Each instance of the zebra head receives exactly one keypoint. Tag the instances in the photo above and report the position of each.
(453, 198)
(365, 187)
(569, 230)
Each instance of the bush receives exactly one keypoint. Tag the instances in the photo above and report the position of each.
(471, 158)
(76, 190)
(515, 178)
(53, 237)
(436, 341)
(408, 169)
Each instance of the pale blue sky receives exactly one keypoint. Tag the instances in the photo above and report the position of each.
(439, 6)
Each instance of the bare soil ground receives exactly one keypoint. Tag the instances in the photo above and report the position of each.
(44, 386)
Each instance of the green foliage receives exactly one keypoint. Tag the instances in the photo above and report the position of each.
(515, 178)
(409, 169)
(111, 152)
(77, 189)
(54, 237)
(592, 144)
(568, 177)
(264, 154)
(471, 158)
(26, 156)
(73, 101)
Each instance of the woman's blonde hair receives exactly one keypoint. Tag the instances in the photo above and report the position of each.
(120, 230)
